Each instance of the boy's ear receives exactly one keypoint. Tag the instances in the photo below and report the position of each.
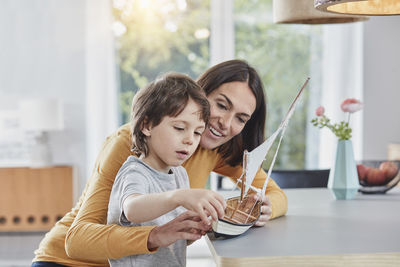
(146, 128)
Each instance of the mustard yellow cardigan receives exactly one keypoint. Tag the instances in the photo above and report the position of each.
(82, 237)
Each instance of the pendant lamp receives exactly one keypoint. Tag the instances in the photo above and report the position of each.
(359, 7)
(303, 12)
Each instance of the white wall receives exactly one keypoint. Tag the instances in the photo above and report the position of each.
(341, 78)
(381, 85)
(42, 51)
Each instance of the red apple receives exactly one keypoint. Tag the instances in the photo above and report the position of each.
(362, 171)
(375, 177)
(389, 168)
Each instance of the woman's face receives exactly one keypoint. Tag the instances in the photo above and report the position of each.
(232, 105)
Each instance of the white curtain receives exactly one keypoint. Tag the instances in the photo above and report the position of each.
(341, 78)
(102, 93)
(222, 39)
(222, 44)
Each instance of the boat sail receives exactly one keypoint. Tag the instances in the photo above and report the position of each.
(243, 211)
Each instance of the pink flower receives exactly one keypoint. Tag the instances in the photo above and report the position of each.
(351, 105)
(320, 111)
(341, 129)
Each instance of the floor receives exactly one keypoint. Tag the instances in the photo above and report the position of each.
(16, 250)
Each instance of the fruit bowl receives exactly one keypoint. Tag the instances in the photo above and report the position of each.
(378, 176)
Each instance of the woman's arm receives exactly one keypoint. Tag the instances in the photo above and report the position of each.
(89, 238)
(186, 226)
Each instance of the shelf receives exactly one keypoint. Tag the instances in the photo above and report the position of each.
(34, 199)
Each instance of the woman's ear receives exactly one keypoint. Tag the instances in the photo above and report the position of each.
(146, 128)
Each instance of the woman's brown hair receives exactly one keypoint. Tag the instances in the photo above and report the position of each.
(168, 95)
(253, 133)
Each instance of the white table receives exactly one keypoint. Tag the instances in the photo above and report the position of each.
(320, 231)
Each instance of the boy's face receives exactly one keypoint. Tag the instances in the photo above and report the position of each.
(175, 139)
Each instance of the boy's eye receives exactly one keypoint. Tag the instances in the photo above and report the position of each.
(198, 133)
(178, 128)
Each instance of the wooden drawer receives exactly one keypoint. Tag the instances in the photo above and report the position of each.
(34, 199)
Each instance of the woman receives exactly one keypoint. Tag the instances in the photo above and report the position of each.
(238, 113)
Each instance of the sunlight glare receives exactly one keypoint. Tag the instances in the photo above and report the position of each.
(119, 4)
(181, 4)
(144, 4)
(192, 56)
(166, 8)
(170, 26)
(118, 28)
(202, 33)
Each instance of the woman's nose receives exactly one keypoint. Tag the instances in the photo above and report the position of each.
(226, 121)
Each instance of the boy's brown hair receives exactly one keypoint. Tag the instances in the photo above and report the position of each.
(168, 95)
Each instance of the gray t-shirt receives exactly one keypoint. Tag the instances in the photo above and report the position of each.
(136, 177)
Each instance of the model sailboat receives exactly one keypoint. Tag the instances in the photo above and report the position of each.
(243, 211)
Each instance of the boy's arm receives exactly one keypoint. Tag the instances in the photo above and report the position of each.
(141, 208)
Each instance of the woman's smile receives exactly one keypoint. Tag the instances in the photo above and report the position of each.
(214, 131)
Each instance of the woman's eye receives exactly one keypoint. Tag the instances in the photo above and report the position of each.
(178, 128)
(221, 106)
(241, 120)
(198, 133)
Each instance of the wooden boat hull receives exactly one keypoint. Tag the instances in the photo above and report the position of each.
(239, 217)
(226, 228)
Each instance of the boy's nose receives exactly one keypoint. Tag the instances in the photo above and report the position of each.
(188, 139)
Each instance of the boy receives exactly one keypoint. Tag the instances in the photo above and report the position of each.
(168, 118)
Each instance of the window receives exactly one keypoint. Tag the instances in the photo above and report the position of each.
(158, 36)
(283, 56)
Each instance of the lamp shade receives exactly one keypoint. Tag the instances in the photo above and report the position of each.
(41, 114)
(303, 12)
(360, 7)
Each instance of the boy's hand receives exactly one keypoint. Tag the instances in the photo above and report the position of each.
(186, 226)
(203, 202)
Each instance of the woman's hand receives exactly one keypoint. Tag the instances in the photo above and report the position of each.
(266, 210)
(187, 226)
(202, 201)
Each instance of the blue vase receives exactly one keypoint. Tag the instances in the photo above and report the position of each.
(343, 178)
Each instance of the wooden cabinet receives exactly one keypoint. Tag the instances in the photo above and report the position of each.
(34, 199)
